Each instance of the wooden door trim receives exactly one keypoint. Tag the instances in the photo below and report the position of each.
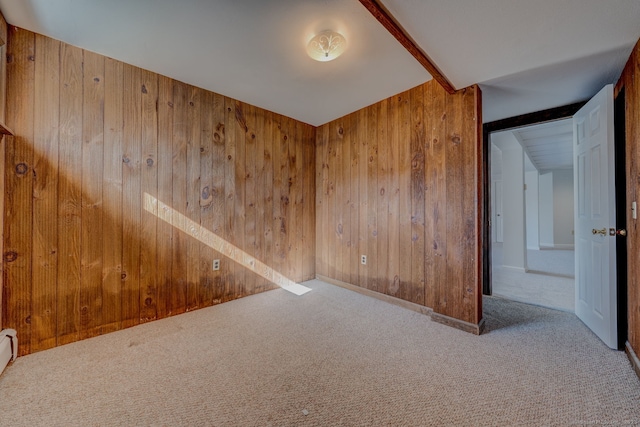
(548, 115)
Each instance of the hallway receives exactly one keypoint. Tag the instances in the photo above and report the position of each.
(548, 283)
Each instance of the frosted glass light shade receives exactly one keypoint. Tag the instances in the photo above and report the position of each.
(326, 46)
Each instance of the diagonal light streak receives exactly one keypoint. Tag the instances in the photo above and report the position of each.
(217, 243)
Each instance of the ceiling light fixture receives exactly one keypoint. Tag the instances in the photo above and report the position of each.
(326, 46)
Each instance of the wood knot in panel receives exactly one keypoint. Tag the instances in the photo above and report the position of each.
(170, 104)
(144, 89)
(21, 168)
(27, 320)
(10, 256)
(125, 160)
(285, 137)
(456, 139)
(149, 162)
(191, 104)
(123, 276)
(340, 131)
(31, 58)
(339, 229)
(206, 197)
(148, 301)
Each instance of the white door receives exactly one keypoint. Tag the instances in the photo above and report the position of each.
(594, 191)
(497, 191)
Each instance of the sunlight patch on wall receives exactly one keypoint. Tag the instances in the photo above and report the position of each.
(217, 243)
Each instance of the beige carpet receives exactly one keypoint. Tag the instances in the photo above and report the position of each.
(340, 358)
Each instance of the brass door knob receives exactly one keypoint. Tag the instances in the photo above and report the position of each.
(621, 232)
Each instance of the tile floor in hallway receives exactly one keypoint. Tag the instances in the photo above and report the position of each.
(549, 282)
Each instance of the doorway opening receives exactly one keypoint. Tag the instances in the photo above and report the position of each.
(489, 236)
(532, 228)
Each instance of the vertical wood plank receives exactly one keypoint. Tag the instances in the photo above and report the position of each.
(149, 185)
(322, 198)
(231, 221)
(331, 236)
(165, 231)
(131, 196)
(297, 187)
(393, 287)
(69, 194)
(4, 34)
(362, 145)
(429, 196)
(45, 193)
(438, 182)
(383, 196)
(373, 197)
(343, 183)
(417, 196)
(112, 195)
(251, 200)
(281, 195)
(218, 191)
(260, 190)
(354, 200)
(269, 192)
(205, 287)
(18, 256)
(193, 194)
(92, 204)
(239, 211)
(179, 275)
(404, 196)
(454, 183)
(309, 203)
(471, 206)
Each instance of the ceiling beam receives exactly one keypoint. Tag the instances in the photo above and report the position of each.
(387, 20)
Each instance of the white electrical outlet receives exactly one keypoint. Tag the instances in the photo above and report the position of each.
(216, 264)
(363, 259)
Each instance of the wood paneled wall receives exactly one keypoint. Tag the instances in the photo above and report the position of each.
(82, 256)
(3, 95)
(399, 182)
(630, 81)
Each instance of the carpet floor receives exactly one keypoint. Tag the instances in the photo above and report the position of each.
(329, 358)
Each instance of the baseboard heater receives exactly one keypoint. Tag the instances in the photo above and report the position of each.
(8, 347)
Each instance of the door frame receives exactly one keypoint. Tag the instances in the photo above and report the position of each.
(620, 141)
(495, 126)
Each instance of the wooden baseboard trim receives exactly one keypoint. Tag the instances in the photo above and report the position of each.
(383, 297)
(633, 358)
(458, 324)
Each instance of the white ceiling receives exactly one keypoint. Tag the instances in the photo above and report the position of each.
(549, 145)
(527, 55)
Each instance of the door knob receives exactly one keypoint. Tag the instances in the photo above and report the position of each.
(621, 232)
(603, 231)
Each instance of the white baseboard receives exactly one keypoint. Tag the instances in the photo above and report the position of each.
(8, 347)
